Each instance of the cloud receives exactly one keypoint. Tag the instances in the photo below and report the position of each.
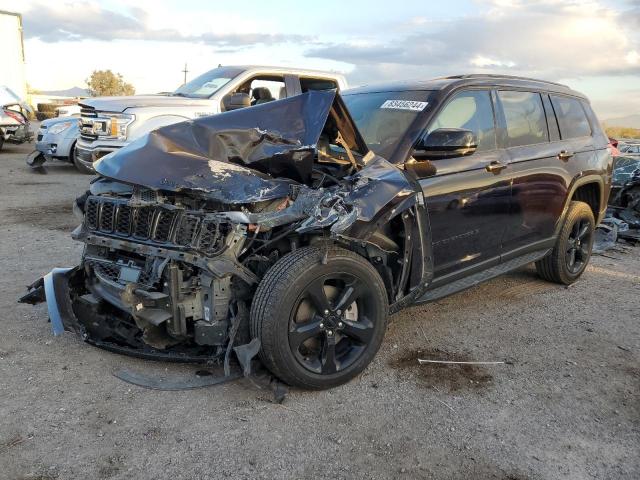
(88, 20)
(549, 38)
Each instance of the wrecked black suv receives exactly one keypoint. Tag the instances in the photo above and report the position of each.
(292, 229)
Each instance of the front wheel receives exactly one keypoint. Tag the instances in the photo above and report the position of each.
(320, 314)
(572, 251)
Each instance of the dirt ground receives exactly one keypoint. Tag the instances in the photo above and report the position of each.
(565, 405)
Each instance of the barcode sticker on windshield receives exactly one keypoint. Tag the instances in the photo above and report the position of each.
(405, 105)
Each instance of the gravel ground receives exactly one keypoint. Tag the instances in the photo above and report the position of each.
(565, 405)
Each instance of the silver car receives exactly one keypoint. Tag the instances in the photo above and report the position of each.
(56, 140)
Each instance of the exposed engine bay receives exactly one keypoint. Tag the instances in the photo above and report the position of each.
(181, 225)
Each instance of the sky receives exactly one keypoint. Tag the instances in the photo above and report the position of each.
(593, 46)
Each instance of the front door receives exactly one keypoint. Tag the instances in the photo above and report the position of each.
(468, 197)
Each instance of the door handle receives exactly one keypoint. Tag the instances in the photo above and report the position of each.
(565, 155)
(495, 167)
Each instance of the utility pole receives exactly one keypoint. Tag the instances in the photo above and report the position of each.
(185, 71)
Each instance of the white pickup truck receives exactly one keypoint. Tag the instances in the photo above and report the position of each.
(109, 123)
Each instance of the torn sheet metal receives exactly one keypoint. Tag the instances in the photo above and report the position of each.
(360, 198)
(276, 140)
(606, 234)
(622, 221)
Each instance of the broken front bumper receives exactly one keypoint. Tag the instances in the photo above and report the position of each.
(54, 289)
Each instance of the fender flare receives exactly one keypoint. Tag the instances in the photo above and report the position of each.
(576, 183)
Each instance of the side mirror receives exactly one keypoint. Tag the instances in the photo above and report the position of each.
(234, 101)
(446, 143)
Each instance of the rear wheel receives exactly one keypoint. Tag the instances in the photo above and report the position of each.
(572, 251)
(320, 323)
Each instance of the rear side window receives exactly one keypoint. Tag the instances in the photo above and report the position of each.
(524, 116)
(470, 111)
(571, 117)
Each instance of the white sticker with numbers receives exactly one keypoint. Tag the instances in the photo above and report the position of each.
(405, 105)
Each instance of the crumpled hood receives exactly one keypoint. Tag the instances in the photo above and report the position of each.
(120, 104)
(236, 157)
(9, 98)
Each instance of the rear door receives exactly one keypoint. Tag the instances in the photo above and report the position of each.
(467, 198)
(530, 135)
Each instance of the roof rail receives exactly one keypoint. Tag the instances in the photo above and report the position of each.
(508, 77)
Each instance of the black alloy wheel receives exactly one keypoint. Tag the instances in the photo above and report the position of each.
(330, 325)
(320, 314)
(570, 256)
(579, 245)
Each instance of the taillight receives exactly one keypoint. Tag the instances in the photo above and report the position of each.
(15, 115)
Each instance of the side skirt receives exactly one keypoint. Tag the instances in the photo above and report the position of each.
(479, 277)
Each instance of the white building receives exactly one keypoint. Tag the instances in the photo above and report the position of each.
(12, 69)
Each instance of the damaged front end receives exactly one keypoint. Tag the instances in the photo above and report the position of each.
(181, 226)
(622, 219)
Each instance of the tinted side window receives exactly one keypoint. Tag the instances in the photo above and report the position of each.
(571, 117)
(470, 111)
(524, 116)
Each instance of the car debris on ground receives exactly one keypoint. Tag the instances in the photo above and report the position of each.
(622, 221)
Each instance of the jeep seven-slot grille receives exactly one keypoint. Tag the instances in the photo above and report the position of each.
(157, 224)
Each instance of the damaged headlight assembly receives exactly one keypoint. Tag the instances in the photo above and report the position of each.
(289, 240)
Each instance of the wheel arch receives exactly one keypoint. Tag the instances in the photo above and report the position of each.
(589, 189)
(405, 227)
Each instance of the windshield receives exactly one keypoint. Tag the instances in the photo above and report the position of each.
(208, 83)
(384, 117)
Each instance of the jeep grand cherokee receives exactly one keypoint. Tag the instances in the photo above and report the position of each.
(298, 226)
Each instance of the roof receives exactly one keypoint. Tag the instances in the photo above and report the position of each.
(303, 71)
(458, 81)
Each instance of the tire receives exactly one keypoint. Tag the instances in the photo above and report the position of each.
(318, 340)
(1, 140)
(79, 165)
(579, 224)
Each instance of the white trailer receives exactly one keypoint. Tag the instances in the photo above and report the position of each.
(12, 61)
